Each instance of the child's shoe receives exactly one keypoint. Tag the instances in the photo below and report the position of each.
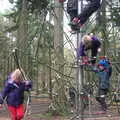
(93, 61)
(74, 28)
(76, 22)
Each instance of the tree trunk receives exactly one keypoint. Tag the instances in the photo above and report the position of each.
(22, 34)
(103, 24)
(23, 26)
(59, 61)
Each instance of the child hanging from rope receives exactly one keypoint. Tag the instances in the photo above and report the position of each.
(13, 93)
(89, 42)
(88, 10)
(104, 72)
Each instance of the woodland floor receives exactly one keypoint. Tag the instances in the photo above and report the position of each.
(40, 108)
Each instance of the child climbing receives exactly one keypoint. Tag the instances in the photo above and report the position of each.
(72, 10)
(78, 20)
(13, 93)
(88, 42)
(104, 72)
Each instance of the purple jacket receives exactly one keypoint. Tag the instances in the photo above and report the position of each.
(14, 92)
(81, 50)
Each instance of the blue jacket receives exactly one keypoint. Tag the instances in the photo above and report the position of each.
(104, 77)
(104, 81)
(14, 92)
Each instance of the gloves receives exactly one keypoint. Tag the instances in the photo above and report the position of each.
(28, 84)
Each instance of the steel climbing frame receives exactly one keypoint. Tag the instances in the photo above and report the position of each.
(79, 72)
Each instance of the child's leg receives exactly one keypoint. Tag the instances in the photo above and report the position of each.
(94, 50)
(88, 10)
(86, 13)
(12, 111)
(73, 14)
(101, 99)
(20, 112)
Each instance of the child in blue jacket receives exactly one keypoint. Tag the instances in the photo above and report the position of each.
(13, 92)
(104, 72)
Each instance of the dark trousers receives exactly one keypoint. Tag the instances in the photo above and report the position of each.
(94, 50)
(72, 14)
(101, 98)
(88, 10)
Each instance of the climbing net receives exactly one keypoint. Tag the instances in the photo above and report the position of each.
(70, 67)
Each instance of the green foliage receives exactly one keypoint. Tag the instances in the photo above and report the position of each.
(37, 5)
(116, 15)
(4, 48)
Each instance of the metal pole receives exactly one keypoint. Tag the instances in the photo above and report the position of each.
(80, 75)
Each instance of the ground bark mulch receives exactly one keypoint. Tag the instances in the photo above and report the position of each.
(40, 106)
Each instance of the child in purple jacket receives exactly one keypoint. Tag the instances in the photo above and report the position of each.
(13, 92)
(88, 42)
